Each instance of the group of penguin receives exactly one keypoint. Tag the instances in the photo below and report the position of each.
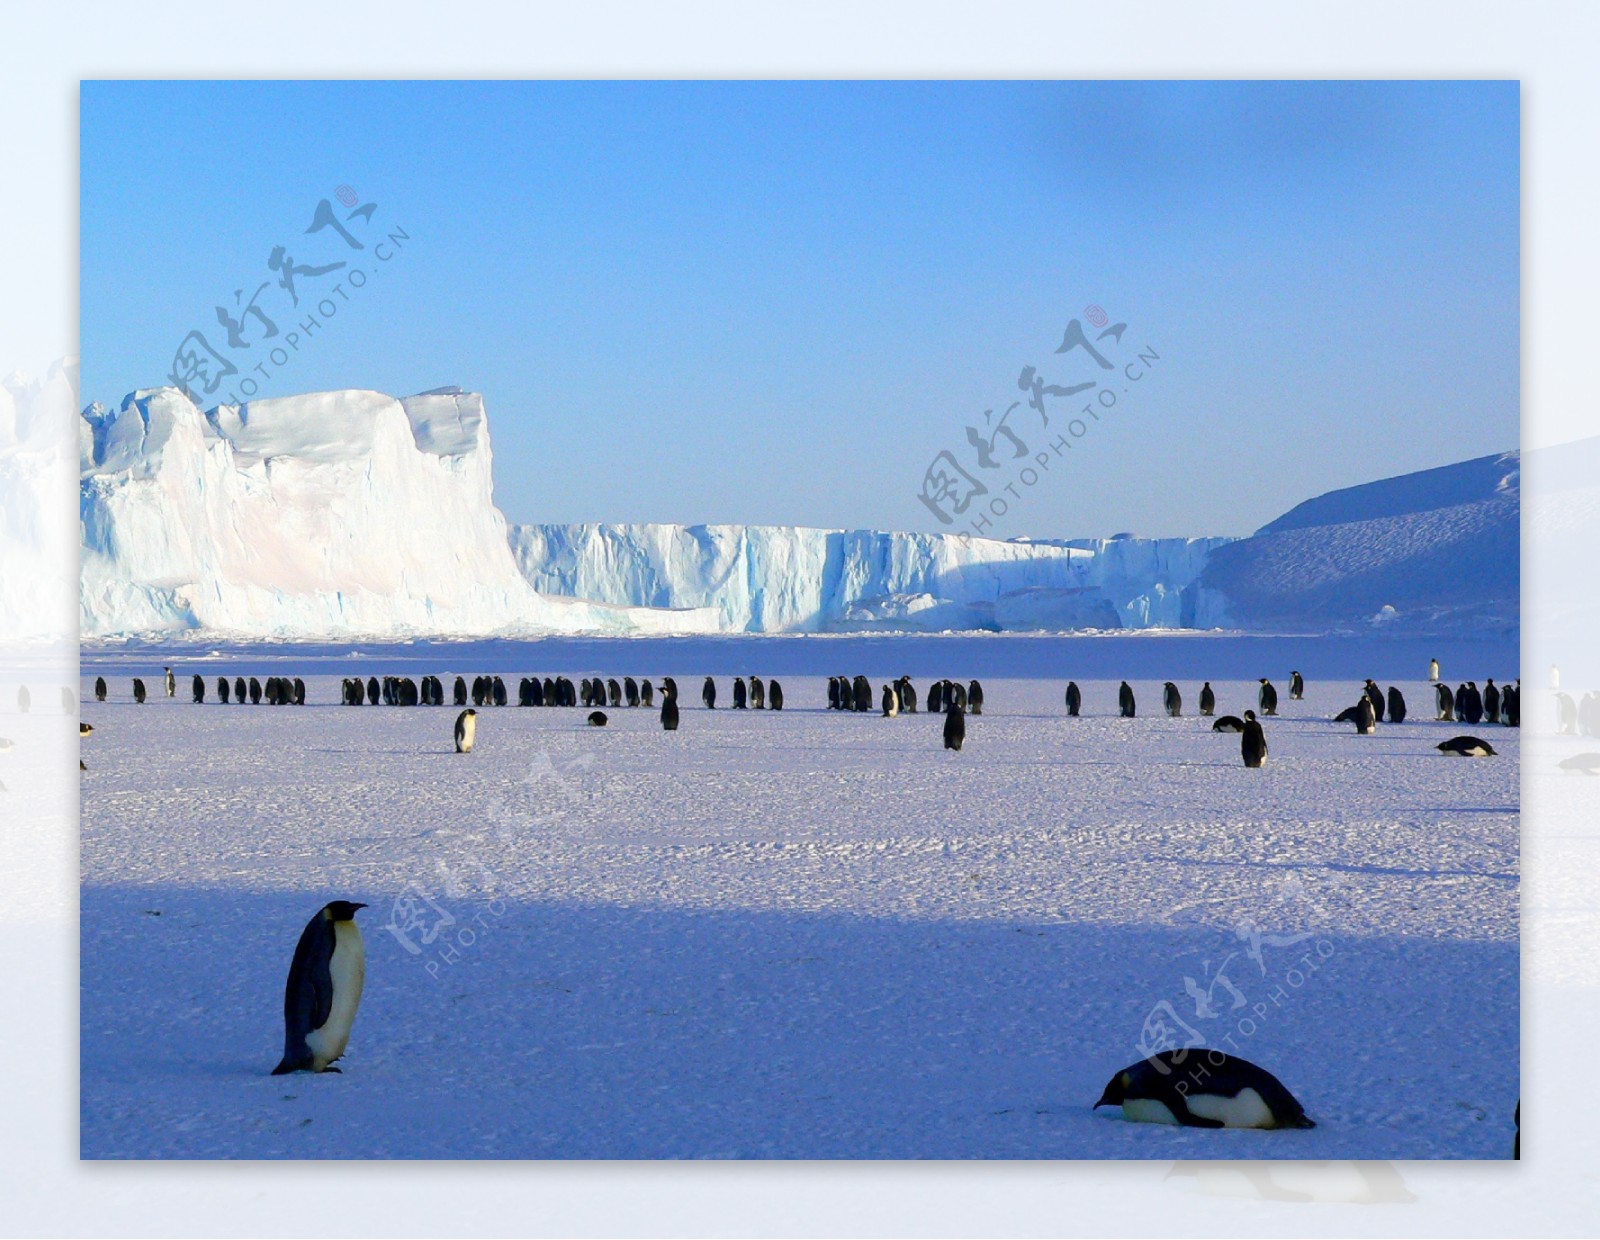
(274, 691)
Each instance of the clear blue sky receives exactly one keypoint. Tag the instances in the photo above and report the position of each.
(778, 302)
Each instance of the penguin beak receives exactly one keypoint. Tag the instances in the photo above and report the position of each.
(354, 906)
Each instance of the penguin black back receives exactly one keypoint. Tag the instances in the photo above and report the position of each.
(669, 706)
(955, 726)
(321, 994)
(774, 695)
(1201, 1088)
(1253, 743)
(1125, 702)
(1074, 698)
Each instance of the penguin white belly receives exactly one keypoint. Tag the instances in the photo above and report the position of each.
(348, 970)
(1147, 1111)
(466, 734)
(1247, 1110)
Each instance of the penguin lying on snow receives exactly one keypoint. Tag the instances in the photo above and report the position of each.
(323, 991)
(1466, 747)
(1201, 1088)
(597, 719)
(1588, 763)
(1228, 723)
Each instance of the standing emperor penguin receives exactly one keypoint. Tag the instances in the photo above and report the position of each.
(1125, 700)
(222, 690)
(1375, 696)
(1074, 698)
(1491, 701)
(1433, 671)
(138, 693)
(708, 694)
(323, 991)
(647, 694)
(466, 730)
(758, 694)
(1267, 697)
(1297, 686)
(1253, 742)
(1366, 716)
(1171, 699)
(955, 726)
(630, 691)
(1397, 705)
(198, 686)
(774, 695)
(738, 693)
(171, 682)
(1208, 700)
(891, 703)
(669, 704)
(975, 698)
(99, 688)
(936, 697)
(1444, 703)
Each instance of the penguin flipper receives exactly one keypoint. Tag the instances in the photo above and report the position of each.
(308, 996)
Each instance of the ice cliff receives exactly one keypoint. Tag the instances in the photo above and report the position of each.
(336, 513)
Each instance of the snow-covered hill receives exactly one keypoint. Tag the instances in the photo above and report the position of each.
(780, 579)
(1434, 551)
(337, 513)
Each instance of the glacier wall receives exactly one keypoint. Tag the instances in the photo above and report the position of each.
(35, 505)
(782, 579)
(335, 513)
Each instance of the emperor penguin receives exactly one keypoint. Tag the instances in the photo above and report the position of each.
(833, 693)
(1397, 705)
(238, 690)
(758, 694)
(1566, 715)
(1491, 701)
(461, 691)
(738, 693)
(138, 692)
(955, 726)
(1208, 700)
(863, 693)
(171, 682)
(222, 690)
(1230, 723)
(1201, 1088)
(1253, 743)
(630, 691)
(1433, 671)
(1474, 703)
(936, 697)
(99, 688)
(774, 695)
(975, 698)
(891, 703)
(1267, 697)
(597, 718)
(613, 692)
(1375, 696)
(466, 730)
(1074, 699)
(255, 692)
(1171, 699)
(198, 687)
(1366, 717)
(1297, 686)
(647, 694)
(669, 705)
(323, 991)
(1444, 703)
(1125, 700)
(1466, 747)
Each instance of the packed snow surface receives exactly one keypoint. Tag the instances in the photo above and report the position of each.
(799, 934)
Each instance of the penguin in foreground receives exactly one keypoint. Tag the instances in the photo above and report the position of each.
(669, 705)
(1074, 698)
(323, 991)
(1253, 744)
(1466, 747)
(955, 726)
(1200, 1088)
(1208, 699)
(466, 730)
